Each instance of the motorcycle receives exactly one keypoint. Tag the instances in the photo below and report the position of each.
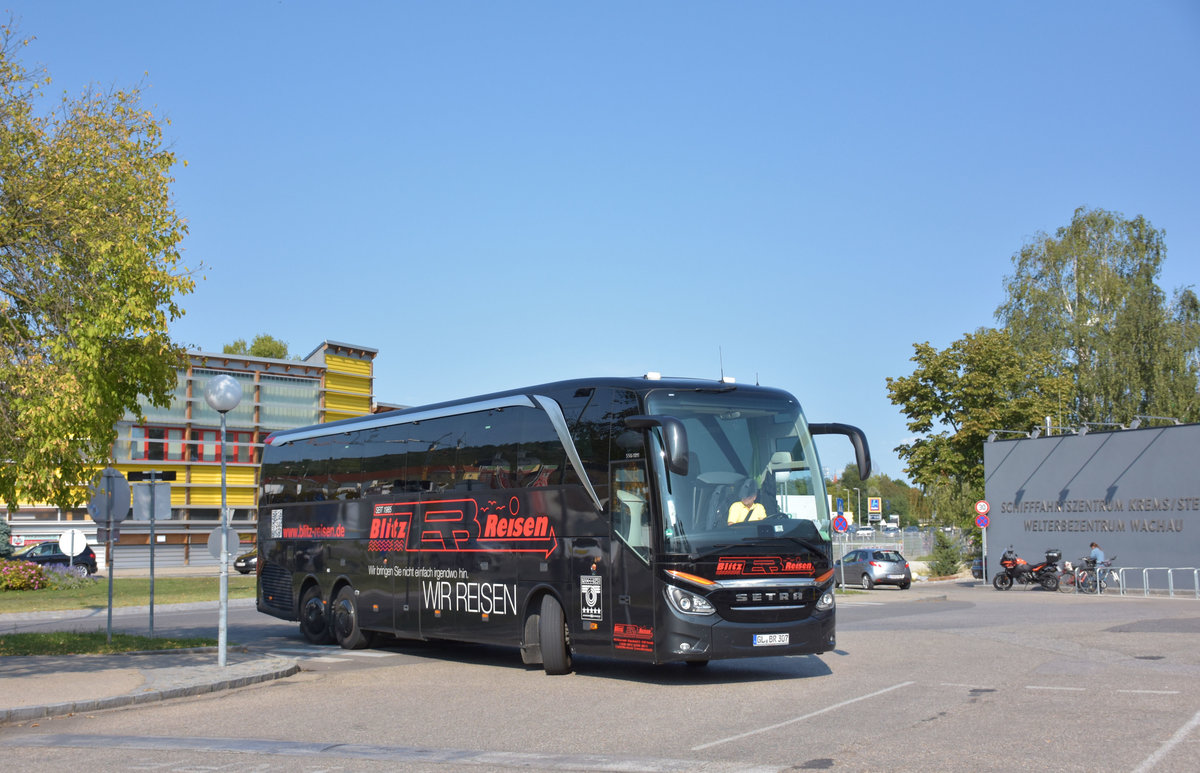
(1016, 570)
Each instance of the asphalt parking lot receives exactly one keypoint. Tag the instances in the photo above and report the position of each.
(941, 677)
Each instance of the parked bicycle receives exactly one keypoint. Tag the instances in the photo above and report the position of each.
(1087, 578)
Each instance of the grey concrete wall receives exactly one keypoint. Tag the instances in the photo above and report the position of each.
(1135, 492)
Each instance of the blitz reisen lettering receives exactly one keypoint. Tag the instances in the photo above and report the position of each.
(532, 526)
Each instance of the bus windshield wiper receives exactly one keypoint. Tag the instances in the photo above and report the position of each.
(816, 547)
(710, 552)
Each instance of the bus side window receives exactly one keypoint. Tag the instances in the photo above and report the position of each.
(588, 414)
(540, 453)
(630, 505)
(384, 453)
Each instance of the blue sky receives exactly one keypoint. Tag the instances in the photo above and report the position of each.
(500, 194)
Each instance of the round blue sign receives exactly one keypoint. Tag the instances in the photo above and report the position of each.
(981, 521)
(840, 524)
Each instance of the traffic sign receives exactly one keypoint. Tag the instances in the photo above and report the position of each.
(982, 507)
(72, 542)
(840, 524)
(110, 497)
(142, 499)
(981, 521)
(214, 542)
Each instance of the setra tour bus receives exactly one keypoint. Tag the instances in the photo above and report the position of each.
(647, 519)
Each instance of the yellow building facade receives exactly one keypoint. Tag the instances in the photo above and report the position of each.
(335, 381)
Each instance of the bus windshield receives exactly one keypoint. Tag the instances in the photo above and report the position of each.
(752, 474)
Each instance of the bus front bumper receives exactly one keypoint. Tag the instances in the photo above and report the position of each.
(700, 639)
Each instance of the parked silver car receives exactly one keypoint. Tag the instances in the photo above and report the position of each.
(869, 567)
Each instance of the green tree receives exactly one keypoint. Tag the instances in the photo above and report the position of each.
(6, 548)
(263, 346)
(1089, 296)
(90, 274)
(954, 399)
(947, 558)
(899, 497)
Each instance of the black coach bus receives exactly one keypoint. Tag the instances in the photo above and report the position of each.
(580, 517)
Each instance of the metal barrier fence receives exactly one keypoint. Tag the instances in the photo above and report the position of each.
(1126, 578)
(1146, 577)
(911, 545)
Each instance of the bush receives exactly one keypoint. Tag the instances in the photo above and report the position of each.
(60, 577)
(6, 548)
(947, 558)
(26, 575)
(22, 575)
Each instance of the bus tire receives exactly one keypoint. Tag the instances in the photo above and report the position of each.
(531, 645)
(314, 622)
(552, 632)
(345, 621)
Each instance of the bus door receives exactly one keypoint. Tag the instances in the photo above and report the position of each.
(384, 600)
(466, 577)
(439, 536)
(632, 511)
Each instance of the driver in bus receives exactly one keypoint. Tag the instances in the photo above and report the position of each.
(745, 508)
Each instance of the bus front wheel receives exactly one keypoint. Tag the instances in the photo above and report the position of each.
(552, 633)
(345, 621)
(314, 623)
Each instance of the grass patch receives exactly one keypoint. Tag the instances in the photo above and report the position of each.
(127, 592)
(90, 643)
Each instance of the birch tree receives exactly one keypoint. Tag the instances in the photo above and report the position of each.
(1089, 296)
(90, 277)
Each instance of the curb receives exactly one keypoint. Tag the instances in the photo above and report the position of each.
(285, 668)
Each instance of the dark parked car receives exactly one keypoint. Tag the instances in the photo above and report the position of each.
(47, 553)
(247, 562)
(870, 567)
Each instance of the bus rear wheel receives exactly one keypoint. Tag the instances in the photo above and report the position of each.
(345, 621)
(552, 634)
(314, 623)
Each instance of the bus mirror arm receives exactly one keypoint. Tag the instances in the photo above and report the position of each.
(674, 438)
(862, 452)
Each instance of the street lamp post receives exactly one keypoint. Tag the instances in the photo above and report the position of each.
(223, 393)
(858, 506)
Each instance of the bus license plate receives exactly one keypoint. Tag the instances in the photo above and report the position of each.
(770, 639)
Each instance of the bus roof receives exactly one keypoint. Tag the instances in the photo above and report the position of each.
(504, 399)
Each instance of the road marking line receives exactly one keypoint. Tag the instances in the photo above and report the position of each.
(1151, 692)
(402, 757)
(968, 686)
(1065, 689)
(810, 715)
(1171, 743)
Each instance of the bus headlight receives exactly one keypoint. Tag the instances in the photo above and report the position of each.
(826, 601)
(688, 603)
